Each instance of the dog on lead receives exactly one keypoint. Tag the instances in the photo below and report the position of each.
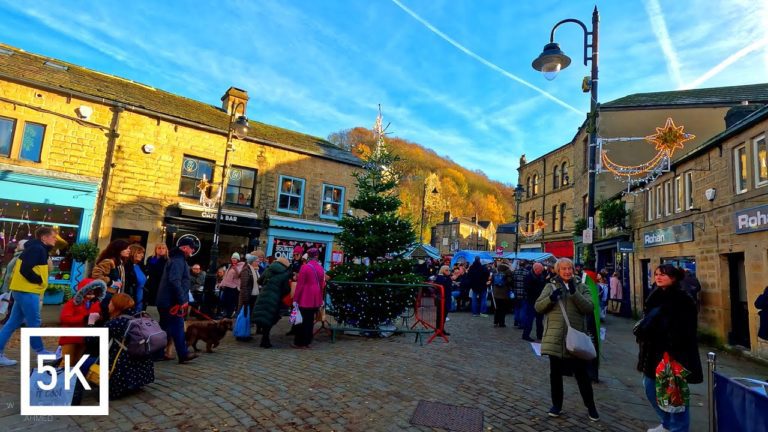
(210, 332)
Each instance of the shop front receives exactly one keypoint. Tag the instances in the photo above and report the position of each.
(665, 245)
(29, 201)
(284, 234)
(239, 231)
(560, 249)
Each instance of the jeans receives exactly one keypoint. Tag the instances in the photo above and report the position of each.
(528, 317)
(174, 326)
(26, 308)
(303, 336)
(229, 298)
(139, 297)
(519, 311)
(556, 370)
(673, 422)
(478, 301)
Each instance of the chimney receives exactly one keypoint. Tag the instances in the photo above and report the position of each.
(474, 219)
(739, 113)
(234, 99)
(446, 217)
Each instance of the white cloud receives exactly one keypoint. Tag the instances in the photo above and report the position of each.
(659, 26)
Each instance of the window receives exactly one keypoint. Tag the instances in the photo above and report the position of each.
(678, 194)
(332, 206)
(556, 177)
(6, 135)
(555, 218)
(564, 173)
(649, 204)
(32, 142)
(761, 160)
(291, 195)
(562, 216)
(535, 184)
(688, 190)
(586, 155)
(740, 168)
(528, 188)
(533, 220)
(240, 186)
(658, 201)
(193, 170)
(527, 221)
(668, 198)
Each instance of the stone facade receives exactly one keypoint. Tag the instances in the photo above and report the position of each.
(731, 267)
(461, 233)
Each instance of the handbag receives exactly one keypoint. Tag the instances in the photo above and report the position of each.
(577, 343)
(672, 392)
(295, 318)
(242, 329)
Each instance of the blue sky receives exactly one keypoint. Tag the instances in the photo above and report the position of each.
(450, 74)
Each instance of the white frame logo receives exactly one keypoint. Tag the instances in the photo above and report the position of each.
(101, 409)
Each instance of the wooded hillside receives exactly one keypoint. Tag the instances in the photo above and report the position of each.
(461, 191)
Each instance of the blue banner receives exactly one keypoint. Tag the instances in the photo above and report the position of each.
(738, 407)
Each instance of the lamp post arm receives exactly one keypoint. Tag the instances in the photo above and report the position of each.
(587, 33)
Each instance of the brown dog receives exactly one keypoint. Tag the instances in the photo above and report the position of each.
(211, 332)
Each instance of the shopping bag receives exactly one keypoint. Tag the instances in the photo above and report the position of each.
(242, 329)
(577, 343)
(58, 395)
(672, 392)
(295, 318)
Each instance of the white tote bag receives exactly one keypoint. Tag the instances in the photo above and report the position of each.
(577, 343)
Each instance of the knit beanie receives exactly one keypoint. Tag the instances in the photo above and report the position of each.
(236, 256)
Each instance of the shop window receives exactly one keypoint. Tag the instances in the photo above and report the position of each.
(562, 216)
(658, 201)
(740, 168)
(556, 177)
(32, 142)
(678, 194)
(555, 219)
(564, 173)
(240, 186)
(688, 190)
(649, 205)
(193, 170)
(6, 135)
(332, 205)
(291, 195)
(761, 161)
(667, 198)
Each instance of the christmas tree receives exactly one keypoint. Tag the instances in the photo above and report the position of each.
(372, 239)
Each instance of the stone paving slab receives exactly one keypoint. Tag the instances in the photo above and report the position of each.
(359, 384)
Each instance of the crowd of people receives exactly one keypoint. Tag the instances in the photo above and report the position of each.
(548, 298)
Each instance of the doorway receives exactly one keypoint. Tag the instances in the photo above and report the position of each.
(739, 334)
(645, 266)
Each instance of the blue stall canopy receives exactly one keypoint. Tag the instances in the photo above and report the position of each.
(542, 257)
(468, 256)
(422, 251)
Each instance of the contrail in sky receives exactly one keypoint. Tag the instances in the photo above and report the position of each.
(754, 46)
(482, 60)
(659, 26)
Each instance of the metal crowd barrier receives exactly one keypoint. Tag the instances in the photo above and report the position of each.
(425, 309)
(735, 404)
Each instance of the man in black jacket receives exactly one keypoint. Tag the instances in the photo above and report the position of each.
(535, 281)
(173, 297)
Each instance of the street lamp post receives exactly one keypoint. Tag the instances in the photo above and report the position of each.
(519, 192)
(423, 204)
(550, 62)
(238, 128)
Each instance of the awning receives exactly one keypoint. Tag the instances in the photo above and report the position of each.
(542, 257)
(563, 248)
(422, 251)
(469, 256)
(303, 225)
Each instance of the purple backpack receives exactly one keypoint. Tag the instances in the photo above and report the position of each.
(143, 336)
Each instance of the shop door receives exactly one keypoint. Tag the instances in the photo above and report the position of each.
(645, 266)
(739, 334)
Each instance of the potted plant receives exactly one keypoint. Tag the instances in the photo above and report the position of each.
(83, 254)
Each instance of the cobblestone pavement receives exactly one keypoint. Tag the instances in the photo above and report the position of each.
(359, 384)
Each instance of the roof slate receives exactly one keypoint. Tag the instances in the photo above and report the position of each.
(30, 67)
(732, 95)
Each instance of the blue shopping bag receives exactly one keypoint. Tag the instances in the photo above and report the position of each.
(242, 328)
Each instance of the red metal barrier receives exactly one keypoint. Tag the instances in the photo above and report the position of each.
(430, 310)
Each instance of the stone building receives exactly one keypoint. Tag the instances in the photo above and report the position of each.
(103, 157)
(460, 233)
(709, 215)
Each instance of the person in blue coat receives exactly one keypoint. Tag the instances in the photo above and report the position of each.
(762, 304)
(173, 297)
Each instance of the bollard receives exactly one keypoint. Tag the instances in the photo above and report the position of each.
(711, 366)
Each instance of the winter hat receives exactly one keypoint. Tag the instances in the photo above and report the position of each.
(235, 256)
(250, 258)
(258, 253)
(187, 241)
(88, 285)
(298, 250)
(313, 253)
(284, 261)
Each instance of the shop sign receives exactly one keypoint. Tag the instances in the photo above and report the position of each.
(337, 257)
(284, 248)
(225, 217)
(751, 220)
(670, 235)
(625, 247)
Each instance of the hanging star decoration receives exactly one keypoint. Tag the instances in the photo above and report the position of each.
(537, 229)
(670, 137)
(666, 140)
